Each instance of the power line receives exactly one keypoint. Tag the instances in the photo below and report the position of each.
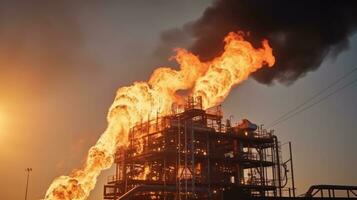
(317, 102)
(314, 96)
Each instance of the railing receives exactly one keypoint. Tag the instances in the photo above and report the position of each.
(112, 178)
(216, 110)
(257, 157)
(330, 191)
(256, 181)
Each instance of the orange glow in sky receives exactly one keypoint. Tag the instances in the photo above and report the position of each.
(2, 121)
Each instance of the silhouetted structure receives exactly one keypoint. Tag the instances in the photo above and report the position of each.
(192, 154)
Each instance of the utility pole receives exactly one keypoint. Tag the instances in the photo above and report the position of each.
(28, 170)
(292, 169)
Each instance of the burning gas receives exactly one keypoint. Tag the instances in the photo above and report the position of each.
(212, 80)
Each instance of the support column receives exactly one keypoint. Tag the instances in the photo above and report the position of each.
(292, 169)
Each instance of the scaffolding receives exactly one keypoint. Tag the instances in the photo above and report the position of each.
(193, 154)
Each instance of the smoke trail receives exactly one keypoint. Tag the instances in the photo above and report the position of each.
(302, 32)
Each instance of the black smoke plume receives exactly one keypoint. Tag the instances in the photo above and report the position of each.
(302, 33)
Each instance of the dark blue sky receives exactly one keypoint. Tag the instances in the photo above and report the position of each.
(55, 91)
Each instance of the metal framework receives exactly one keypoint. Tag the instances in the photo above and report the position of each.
(330, 191)
(192, 154)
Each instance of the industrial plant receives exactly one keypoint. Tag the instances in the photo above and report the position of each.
(195, 154)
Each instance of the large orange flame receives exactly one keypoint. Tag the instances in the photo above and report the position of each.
(212, 80)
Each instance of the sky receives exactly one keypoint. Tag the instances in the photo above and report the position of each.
(61, 64)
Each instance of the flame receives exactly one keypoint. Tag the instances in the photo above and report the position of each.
(144, 174)
(212, 80)
(235, 65)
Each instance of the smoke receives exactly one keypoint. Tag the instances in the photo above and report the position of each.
(302, 33)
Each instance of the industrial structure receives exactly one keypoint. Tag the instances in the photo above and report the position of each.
(194, 154)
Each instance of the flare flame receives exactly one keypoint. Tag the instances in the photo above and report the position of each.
(212, 80)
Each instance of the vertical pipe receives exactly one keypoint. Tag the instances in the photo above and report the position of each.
(208, 167)
(165, 138)
(164, 175)
(130, 160)
(273, 168)
(178, 185)
(124, 169)
(185, 168)
(116, 178)
(236, 154)
(262, 175)
(278, 164)
(148, 133)
(193, 158)
(117, 173)
(333, 193)
(265, 168)
(292, 169)
(27, 181)
(261, 168)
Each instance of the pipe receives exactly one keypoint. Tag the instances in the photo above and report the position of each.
(278, 161)
(292, 169)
